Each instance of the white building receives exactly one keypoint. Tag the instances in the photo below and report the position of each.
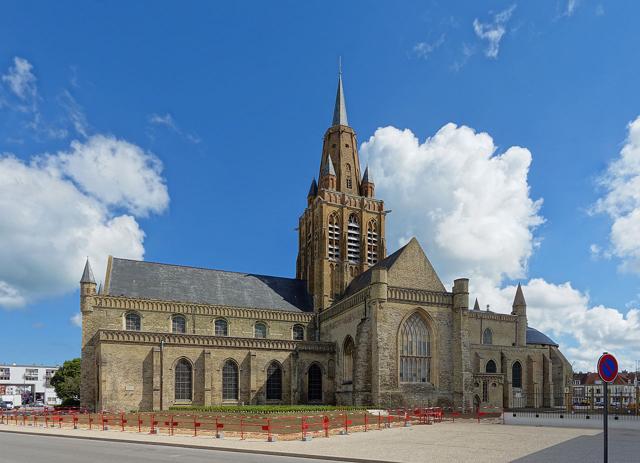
(23, 384)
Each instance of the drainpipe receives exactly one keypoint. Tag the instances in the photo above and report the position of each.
(161, 373)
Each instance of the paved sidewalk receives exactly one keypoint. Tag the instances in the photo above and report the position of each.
(460, 441)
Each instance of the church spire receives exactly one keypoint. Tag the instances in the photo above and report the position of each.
(87, 274)
(340, 110)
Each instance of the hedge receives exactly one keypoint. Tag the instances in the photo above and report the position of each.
(267, 409)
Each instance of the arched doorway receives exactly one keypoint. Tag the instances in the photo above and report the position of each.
(314, 383)
(274, 381)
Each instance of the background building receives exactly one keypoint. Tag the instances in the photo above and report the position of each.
(25, 384)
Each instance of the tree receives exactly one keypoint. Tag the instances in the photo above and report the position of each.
(66, 382)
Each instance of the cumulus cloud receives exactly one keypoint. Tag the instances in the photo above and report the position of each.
(492, 32)
(468, 205)
(621, 201)
(59, 208)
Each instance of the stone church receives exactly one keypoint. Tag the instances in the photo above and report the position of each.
(356, 326)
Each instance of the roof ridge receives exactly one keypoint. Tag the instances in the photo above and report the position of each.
(205, 268)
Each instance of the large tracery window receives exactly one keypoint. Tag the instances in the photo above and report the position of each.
(516, 375)
(334, 237)
(230, 380)
(178, 324)
(415, 351)
(132, 322)
(274, 381)
(372, 243)
(183, 389)
(347, 361)
(353, 239)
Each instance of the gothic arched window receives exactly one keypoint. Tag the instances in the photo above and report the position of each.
(221, 327)
(372, 242)
(298, 333)
(274, 381)
(183, 380)
(516, 375)
(415, 351)
(230, 380)
(491, 367)
(178, 324)
(260, 330)
(487, 336)
(349, 181)
(132, 322)
(347, 360)
(353, 239)
(333, 237)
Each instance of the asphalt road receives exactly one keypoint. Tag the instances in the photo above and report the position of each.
(23, 448)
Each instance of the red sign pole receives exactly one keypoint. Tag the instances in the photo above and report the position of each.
(608, 371)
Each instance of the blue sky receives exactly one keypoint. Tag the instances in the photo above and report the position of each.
(190, 135)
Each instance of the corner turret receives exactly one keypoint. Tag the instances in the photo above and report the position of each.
(520, 310)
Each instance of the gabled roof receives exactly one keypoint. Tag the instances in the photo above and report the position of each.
(410, 250)
(150, 280)
(536, 337)
(592, 378)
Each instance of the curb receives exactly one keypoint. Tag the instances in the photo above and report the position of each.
(202, 447)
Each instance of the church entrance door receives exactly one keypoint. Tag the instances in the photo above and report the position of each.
(314, 384)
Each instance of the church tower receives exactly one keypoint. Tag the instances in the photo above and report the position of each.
(341, 232)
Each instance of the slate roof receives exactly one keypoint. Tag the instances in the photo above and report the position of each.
(340, 109)
(150, 280)
(536, 337)
(87, 274)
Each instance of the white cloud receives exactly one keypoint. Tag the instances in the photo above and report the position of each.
(57, 209)
(167, 120)
(493, 31)
(468, 205)
(76, 320)
(116, 172)
(621, 202)
(571, 7)
(471, 209)
(20, 79)
(424, 49)
(75, 113)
